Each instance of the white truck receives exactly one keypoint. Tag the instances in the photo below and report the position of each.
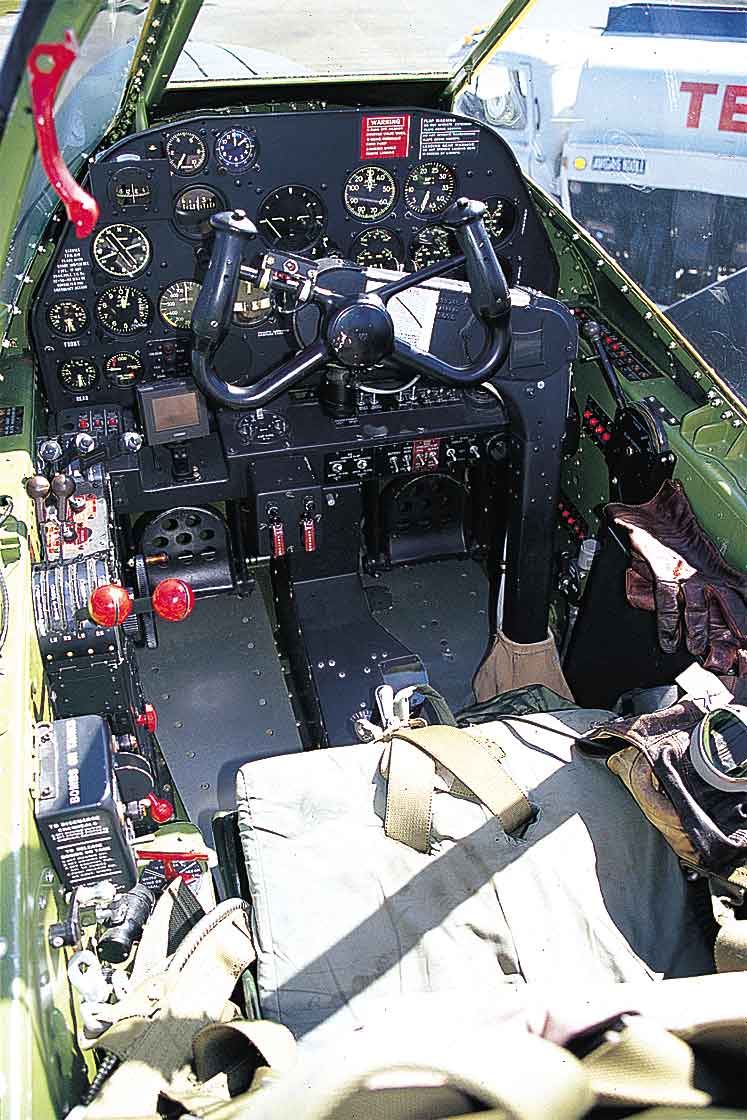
(639, 127)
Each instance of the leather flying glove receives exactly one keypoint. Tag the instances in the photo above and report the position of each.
(677, 571)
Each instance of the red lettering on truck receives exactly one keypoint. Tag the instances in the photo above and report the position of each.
(734, 110)
(698, 91)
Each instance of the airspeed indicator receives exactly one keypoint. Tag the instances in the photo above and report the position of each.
(370, 193)
(177, 303)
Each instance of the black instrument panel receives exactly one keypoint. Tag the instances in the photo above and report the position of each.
(365, 186)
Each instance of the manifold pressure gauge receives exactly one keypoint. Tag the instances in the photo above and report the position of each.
(429, 188)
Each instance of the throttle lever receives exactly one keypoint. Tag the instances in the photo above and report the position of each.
(489, 298)
(214, 307)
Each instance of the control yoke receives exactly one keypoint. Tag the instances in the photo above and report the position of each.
(356, 330)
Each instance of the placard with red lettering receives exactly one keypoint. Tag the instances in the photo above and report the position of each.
(386, 136)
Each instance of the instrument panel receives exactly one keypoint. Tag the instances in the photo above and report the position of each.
(362, 186)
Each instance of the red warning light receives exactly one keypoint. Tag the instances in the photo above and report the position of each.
(173, 599)
(109, 604)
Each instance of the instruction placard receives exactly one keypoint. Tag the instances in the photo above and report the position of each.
(443, 136)
(386, 136)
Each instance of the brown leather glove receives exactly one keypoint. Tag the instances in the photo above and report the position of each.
(677, 571)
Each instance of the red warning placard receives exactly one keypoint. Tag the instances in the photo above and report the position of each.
(386, 137)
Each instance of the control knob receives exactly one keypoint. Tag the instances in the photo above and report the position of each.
(84, 443)
(37, 488)
(63, 487)
(131, 442)
(51, 450)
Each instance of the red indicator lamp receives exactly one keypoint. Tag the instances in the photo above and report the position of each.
(109, 604)
(173, 599)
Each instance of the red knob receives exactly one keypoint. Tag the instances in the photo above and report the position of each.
(148, 719)
(173, 600)
(161, 810)
(109, 604)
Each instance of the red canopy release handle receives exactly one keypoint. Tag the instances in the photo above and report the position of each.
(82, 209)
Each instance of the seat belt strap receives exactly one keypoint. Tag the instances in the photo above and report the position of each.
(730, 949)
(473, 761)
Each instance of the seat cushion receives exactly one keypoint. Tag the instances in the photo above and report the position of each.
(347, 921)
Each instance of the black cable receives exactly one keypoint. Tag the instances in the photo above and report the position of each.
(103, 1073)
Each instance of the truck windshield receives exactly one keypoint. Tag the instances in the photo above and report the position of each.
(634, 117)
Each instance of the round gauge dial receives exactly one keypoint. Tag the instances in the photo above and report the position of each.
(177, 303)
(186, 152)
(378, 248)
(131, 187)
(193, 207)
(78, 375)
(500, 219)
(370, 193)
(123, 310)
(67, 316)
(253, 305)
(236, 149)
(121, 250)
(123, 369)
(432, 245)
(291, 218)
(429, 188)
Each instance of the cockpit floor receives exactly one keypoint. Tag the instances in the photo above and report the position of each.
(439, 610)
(221, 698)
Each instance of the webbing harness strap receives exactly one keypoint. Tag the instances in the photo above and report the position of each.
(474, 762)
(730, 949)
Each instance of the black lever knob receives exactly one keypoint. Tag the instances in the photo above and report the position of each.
(489, 295)
(214, 307)
(63, 488)
(37, 488)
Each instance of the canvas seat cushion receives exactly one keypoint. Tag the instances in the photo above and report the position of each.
(347, 921)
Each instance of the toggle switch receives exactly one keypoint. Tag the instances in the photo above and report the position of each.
(277, 533)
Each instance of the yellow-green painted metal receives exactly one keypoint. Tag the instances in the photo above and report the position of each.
(165, 31)
(512, 14)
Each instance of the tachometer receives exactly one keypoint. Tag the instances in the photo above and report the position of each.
(291, 218)
(121, 250)
(500, 218)
(370, 193)
(236, 149)
(429, 188)
(67, 316)
(433, 244)
(177, 303)
(78, 375)
(123, 310)
(186, 152)
(193, 207)
(123, 369)
(378, 248)
(253, 305)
